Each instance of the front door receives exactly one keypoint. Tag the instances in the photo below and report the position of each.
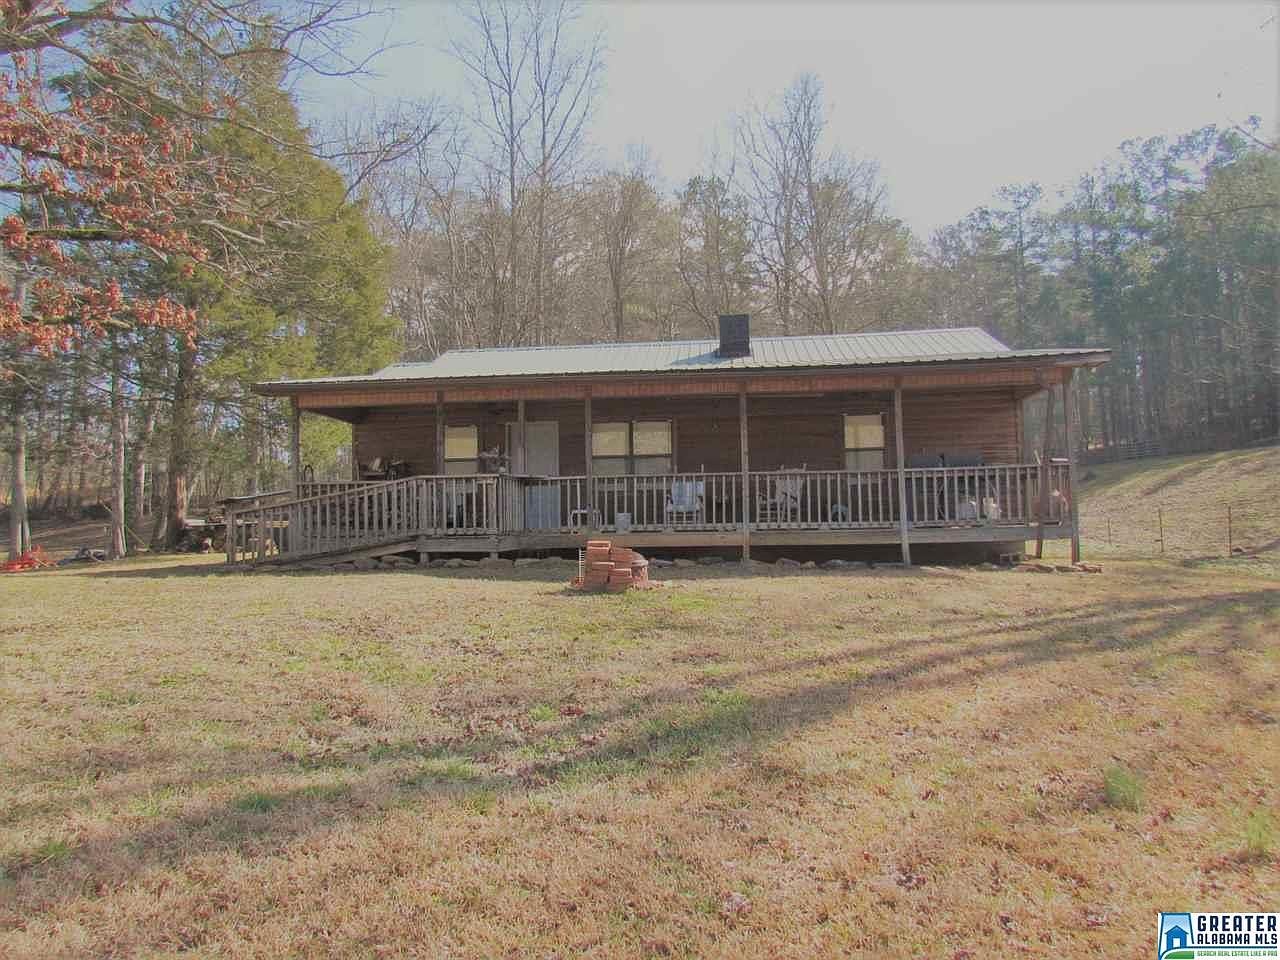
(541, 459)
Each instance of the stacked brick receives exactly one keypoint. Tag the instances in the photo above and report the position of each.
(602, 566)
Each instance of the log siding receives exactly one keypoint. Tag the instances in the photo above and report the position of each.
(783, 432)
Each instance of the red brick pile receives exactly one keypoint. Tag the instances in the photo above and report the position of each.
(602, 566)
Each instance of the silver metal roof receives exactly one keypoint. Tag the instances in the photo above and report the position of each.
(678, 356)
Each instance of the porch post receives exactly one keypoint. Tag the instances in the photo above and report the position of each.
(520, 461)
(355, 459)
(1045, 441)
(746, 497)
(1069, 423)
(295, 444)
(902, 476)
(439, 433)
(586, 450)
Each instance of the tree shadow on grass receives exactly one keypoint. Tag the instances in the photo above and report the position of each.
(672, 729)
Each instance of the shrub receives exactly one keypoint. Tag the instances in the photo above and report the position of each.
(1122, 789)
(1259, 835)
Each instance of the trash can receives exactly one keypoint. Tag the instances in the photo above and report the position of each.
(622, 522)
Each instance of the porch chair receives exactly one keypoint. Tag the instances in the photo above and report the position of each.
(686, 503)
(782, 503)
(375, 469)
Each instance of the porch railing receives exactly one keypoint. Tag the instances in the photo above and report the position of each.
(315, 488)
(349, 516)
(686, 501)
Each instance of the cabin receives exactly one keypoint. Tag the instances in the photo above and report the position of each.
(893, 439)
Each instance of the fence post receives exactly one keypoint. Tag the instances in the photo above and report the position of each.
(1109, 543)
(1160, 520)
(1229, 544)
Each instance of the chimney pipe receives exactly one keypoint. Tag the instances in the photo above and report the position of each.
(735, 335)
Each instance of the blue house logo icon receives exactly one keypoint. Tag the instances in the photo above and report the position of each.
(1175, 936)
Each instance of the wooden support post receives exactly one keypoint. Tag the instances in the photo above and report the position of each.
(902, 476)
(746, 469)
(231, 534)
(355, 458)
(262, 530)
(1069, 421)
(1045, 441)
(295, 444)
(520, 461)
(586, 444)
(439, 469)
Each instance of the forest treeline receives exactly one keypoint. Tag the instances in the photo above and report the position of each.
(421, 227)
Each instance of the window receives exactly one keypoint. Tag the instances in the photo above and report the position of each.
(651, 446)
(609, 448)
(462, 450)
(864, 442)
(641, 447)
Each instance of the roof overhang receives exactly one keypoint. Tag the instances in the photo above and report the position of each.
(1035, 367)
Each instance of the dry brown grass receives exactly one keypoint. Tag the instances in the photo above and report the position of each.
(1193, 493)
(903, 764)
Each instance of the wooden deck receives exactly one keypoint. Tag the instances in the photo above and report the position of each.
(501, 513)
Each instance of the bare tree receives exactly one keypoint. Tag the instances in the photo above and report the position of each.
(714, 247)
(534, 89)
(778, 148)
(627, 214)
(818, 227)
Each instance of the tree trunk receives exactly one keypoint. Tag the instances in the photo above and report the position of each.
(19, 529)
(141, 450)
(181, 432)
(116, 548)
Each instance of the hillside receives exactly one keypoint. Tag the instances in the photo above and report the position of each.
(1192, 493)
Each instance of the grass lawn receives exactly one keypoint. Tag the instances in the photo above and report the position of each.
(944, 763)
(1193, 493)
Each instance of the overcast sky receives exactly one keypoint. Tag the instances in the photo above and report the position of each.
(952, 100)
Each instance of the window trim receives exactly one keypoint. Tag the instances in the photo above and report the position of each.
(444, 467)
(630, 457)
(844, 440)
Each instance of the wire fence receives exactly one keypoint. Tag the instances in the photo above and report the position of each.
(1215, 530)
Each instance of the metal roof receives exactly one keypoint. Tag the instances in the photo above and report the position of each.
(679, 356)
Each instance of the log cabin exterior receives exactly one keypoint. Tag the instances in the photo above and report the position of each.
(902, 438)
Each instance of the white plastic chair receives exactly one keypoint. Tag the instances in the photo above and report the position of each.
(686, 502)
(782, 503)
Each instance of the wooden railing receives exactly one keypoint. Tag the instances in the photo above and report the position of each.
(357, 515)
(316, 488)
(946, 496)
(685, 501)
(370, 514)
(556, 504)
(821, 499)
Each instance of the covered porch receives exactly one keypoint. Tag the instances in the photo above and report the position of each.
(781, 463)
